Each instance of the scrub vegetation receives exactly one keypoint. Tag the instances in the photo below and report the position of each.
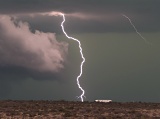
(78, 110)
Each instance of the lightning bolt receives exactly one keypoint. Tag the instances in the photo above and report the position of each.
(81, 66)
(135, 28)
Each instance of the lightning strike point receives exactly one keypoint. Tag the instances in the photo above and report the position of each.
(81, 66)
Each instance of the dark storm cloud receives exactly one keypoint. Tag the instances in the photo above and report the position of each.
(92, 15)
(70, 6)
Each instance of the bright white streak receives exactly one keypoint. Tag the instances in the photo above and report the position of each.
(79, 86)
(135, 28)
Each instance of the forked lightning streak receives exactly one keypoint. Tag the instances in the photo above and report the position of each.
(81, 66)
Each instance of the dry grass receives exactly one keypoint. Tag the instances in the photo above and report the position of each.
(79, 110)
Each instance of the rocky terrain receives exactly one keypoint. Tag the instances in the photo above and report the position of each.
(77, 110)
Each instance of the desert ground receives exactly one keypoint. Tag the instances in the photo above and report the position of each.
(10, 109)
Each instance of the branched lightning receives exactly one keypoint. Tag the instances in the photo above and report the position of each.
(81, 66)
(135, 29)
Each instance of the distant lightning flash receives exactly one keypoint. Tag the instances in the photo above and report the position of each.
(135, 28)
(81, 66)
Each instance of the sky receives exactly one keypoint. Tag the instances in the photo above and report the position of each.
(39, 63)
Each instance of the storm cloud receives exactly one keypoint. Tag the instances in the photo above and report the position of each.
(36, 51)
(71, 6)
(92, 16)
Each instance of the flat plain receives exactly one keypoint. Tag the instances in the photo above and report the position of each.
(21, 109)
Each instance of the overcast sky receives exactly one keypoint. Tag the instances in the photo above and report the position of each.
(38, 62)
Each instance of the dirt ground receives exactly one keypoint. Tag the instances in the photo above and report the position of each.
(77, 110)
